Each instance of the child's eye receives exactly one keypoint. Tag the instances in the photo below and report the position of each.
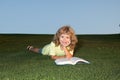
(67, 37)
(62, 36)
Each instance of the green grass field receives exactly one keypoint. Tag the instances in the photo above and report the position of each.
(16, 63)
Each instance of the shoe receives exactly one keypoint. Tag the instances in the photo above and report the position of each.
(30, 48)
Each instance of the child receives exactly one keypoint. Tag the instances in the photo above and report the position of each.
(62, 46)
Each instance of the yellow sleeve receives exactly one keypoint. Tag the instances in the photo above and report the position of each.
(52, 49)
(71, 52)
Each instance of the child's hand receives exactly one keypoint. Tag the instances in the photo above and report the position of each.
(64, 48)
(68, 55)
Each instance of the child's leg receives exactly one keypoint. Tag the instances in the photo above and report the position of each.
(33, 49)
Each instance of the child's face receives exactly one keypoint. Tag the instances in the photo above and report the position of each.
(64, 40)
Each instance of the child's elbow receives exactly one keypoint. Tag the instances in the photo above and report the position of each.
(69, 56)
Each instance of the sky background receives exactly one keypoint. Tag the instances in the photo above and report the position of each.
(47, 16)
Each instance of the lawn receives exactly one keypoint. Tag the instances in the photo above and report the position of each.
(16, 63)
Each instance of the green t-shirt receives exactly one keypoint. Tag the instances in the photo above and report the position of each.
(52, 50)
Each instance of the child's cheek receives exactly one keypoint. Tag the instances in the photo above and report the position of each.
(69, 42)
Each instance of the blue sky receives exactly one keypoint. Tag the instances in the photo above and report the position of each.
(46, 16)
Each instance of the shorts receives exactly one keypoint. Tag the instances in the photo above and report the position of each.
(40, 51)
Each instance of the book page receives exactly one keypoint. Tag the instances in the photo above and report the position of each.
(63, 61)
(75, 60)
(72, 61)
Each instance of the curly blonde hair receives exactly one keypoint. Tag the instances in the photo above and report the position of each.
(66, 30)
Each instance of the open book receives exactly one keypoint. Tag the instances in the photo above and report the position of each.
(71, 61)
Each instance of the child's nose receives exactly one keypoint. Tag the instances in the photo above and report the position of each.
(64, 39)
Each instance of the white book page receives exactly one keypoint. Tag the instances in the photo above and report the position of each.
(63, 61)
(77, 59)
(72, 61)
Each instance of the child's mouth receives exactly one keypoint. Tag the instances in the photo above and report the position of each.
(65, 43)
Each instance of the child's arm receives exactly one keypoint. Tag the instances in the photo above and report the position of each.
(68, 54)
(57, 57)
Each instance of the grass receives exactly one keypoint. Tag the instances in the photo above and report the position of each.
(16, 63)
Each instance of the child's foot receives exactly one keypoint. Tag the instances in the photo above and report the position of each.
(30, 48)
(33, 49)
